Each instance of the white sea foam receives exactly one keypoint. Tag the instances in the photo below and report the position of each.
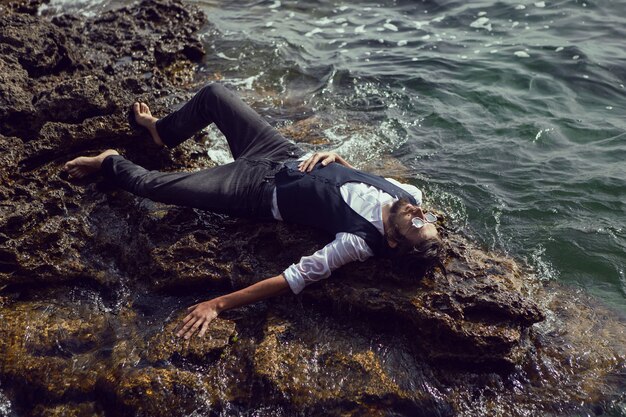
(359, 29)
(540, 4)
(274, 5)
(559, 49)
(390, 26)
(313, 32)
(575, 57)
(223, 56)
(520, 7)
(481, 14)
(220, 155)
(438, 19)
(246, 82)
(324, 21)
(217, 147)
(541, 132)
(84, 7)
(545, 269)
(481, 23)
(521, 54)
(5, 405)
(419, 24)
(402, 42)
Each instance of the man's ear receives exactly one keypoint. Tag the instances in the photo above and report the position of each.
(392, 242)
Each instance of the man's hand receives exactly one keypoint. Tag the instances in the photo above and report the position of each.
(201, 316)
(325, 157)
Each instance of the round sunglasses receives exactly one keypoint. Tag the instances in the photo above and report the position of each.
(428, 218)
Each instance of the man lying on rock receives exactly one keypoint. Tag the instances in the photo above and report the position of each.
(271, 178)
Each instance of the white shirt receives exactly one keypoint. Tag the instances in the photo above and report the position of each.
(368, 202)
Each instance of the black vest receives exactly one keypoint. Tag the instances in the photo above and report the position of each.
(314, 199)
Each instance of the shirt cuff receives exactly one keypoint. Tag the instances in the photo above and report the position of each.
(294, 279)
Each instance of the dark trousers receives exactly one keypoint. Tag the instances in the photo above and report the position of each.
(242, 188)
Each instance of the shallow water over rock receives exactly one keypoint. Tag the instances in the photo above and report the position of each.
(94, 280)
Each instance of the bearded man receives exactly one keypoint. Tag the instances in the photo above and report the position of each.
(272, 178)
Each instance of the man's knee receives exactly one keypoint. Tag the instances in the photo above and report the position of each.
(214, 89)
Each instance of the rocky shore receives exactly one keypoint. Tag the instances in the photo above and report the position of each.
(93, 280)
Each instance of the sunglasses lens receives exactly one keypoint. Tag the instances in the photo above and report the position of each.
(417, 222)
(430, 217)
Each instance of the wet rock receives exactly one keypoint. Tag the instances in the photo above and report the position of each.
(328, 373)
(75, 100)
(87, 409)
(151, 391)
(46, 352)
(40, 52)
(64, 70)
(91, 276)
(467, 322)
(310, 130)
(192, 261)
(21, 6)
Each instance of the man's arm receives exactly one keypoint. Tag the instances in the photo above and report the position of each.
(344, 249)
(409, 188)
(202, 314)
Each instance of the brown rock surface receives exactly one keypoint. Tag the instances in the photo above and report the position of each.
(93, 280)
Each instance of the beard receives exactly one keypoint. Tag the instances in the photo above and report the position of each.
(394, 214)
(394, 211)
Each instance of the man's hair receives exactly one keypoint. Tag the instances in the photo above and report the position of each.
(420, 258)
(414, 259)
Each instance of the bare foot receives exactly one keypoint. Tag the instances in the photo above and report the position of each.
(84, 165)
(144, 118)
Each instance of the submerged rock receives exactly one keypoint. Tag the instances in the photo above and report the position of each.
(93, 280)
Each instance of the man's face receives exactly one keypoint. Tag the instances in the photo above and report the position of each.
(400, 216)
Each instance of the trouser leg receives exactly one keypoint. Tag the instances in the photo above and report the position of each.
(241, 188)
(247, 133)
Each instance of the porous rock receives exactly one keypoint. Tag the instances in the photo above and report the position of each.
(90, 275)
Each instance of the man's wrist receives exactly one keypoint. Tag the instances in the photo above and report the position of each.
(219, 304)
